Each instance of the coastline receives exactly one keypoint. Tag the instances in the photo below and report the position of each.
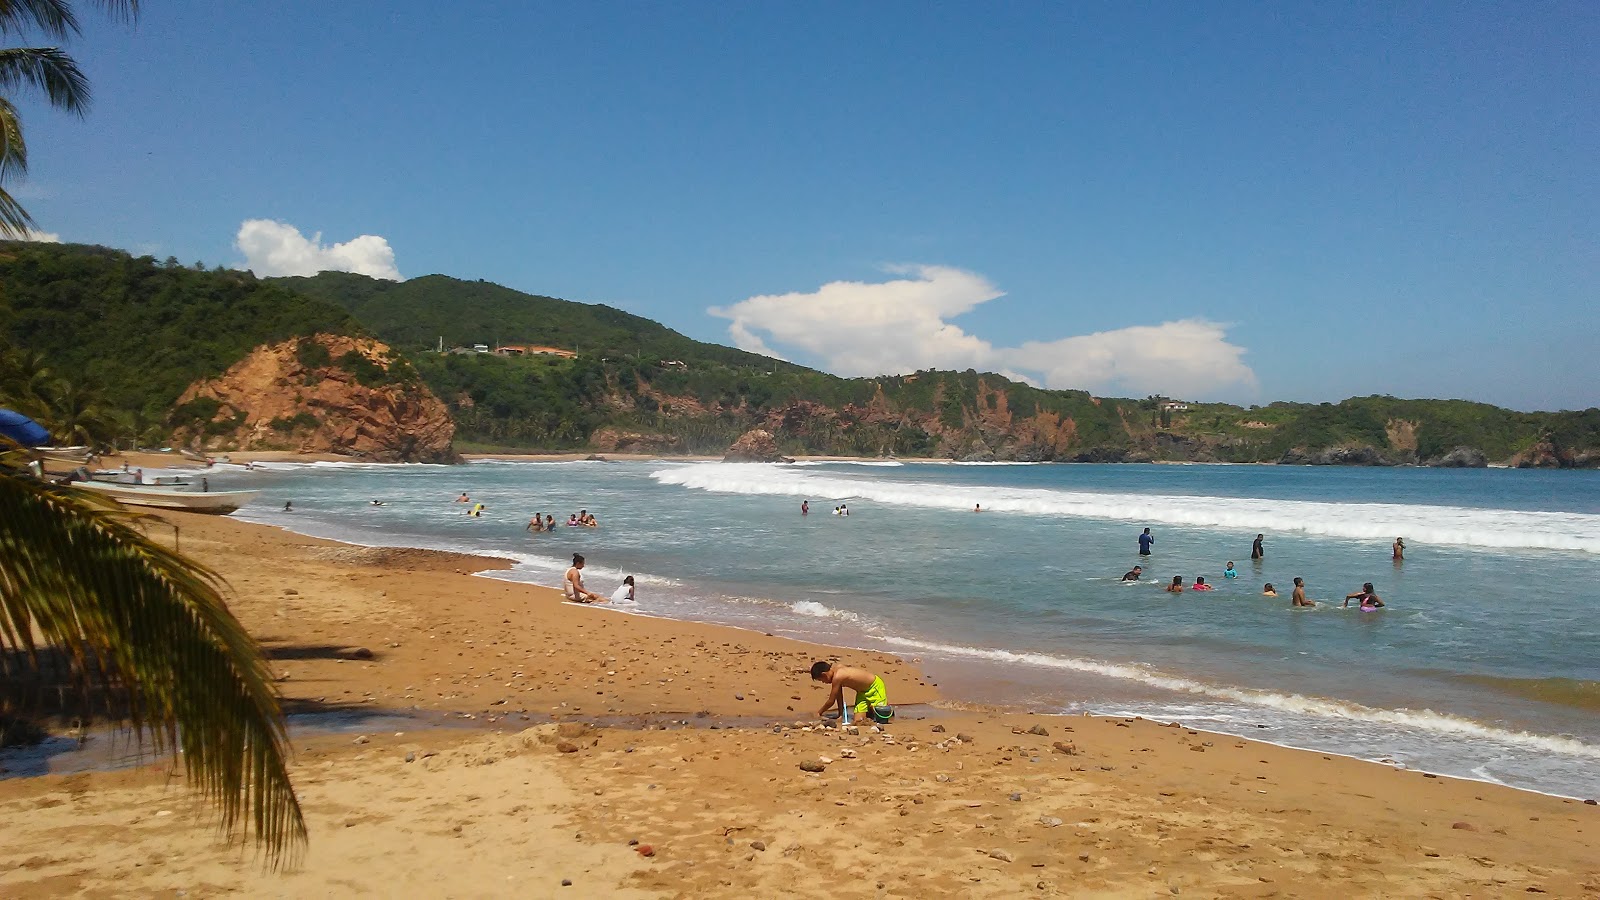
(1094, 806)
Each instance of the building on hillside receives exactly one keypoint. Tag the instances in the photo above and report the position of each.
(533, 350)
(674, 364)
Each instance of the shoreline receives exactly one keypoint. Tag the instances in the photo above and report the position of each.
(492, 562)
(176, 459)
(987, 801)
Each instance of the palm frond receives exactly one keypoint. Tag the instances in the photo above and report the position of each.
(50, 70)
(14, 220)
(13, 148)
(55, 17)
(52, 17)
(94, 586)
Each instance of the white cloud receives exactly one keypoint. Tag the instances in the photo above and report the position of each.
(40, 237)
(278, 248)
(872, 329)
(894, 327)
(1189, 358)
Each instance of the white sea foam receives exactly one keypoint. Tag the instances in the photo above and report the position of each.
(870, 463)
(1464, 526)
(1423, 719)
(821, 611)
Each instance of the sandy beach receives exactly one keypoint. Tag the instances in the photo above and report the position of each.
(555, 742)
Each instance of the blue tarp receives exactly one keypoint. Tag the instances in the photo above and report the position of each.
(22, 429)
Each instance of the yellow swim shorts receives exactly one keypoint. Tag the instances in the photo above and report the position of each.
(875, 695)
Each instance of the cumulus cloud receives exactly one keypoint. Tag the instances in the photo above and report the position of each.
(40, 237)
(893, 327)
(278, 248)
(865, 328)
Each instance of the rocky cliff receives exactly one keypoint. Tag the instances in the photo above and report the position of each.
(323, 394)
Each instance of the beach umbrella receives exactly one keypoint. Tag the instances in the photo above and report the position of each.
(22, 429)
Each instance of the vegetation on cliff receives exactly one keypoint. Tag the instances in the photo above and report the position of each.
(147, 330)
(93, 335)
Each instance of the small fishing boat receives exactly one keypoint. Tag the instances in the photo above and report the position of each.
(164, 497)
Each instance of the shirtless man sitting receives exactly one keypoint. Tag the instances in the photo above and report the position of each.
(869, 689)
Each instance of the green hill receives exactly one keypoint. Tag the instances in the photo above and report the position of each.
(414, 315)
(144, 330)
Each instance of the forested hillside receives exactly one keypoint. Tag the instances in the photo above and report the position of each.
(99, 344)
(144, 330)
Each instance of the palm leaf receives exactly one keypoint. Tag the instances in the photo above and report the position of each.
(14, 220)
(13, 149)
(50, 70)
(53, 17)
(91, 584)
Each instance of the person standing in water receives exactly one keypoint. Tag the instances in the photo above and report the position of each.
(805, 507)
(1230, 571)
(1257, 551)
(1399, 549)
(1145, 540)
(1298, 598)
(1269, 591)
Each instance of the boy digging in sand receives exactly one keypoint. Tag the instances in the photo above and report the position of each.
(870, 693)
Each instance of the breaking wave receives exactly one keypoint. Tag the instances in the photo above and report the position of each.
(1502, 528)
(1423, 719)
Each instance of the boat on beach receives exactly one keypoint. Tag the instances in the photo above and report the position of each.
(167, 497)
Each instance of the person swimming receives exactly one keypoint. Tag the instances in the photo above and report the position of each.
(1368, 599)
(1200, 583)
(1176, 587)
(476, 510)
(463, 498)
(1230, 571)
(1133, 574)
(1268, 590)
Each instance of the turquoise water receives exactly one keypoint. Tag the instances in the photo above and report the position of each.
(1483, 665)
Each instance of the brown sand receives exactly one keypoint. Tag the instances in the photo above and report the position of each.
(1093, 807)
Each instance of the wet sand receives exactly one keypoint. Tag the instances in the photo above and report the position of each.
(702, 732)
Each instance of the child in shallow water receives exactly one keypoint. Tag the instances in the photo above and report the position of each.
(1176, 587)
(1200, 584)
(1230, 571)
(1269, 590)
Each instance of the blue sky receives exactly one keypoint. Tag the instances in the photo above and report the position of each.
(1217, 201)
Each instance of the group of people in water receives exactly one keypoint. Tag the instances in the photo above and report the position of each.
(1367, 597)
(580, 519)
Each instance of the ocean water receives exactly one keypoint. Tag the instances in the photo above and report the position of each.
(1486, 663)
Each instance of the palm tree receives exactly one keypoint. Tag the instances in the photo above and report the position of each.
(151, 625)
(78, 577)
(24, 381)
(48, 70)
(79, 413)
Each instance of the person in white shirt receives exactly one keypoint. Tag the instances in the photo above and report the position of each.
(624, 593)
